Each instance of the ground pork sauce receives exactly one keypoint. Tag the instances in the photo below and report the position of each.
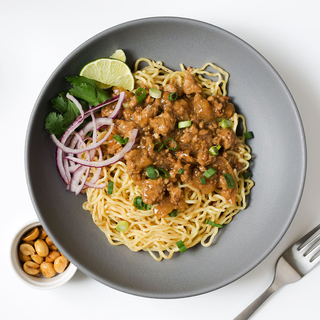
(157, 121)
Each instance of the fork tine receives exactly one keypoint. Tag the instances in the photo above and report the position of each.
(312, 248)
(317, 255)
(309, 237)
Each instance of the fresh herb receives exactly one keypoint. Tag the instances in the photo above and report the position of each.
(213, 224)
(203, 180)
(174, 213)
(86, 89)
(225, 123)
(209, 173)
(122, 226)
(169, 142)
(163, 173)
(158, 146)
(152, 173)
(110, 187)
(120, 140)
(139, 204)
(214, 150)
(181, 246)
(184, 124)
(181, 171)
(230, 181)
(140, 94)
(173, 96)
(246, 175)
(248, 135)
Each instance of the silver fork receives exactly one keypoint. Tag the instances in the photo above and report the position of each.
(294, 263)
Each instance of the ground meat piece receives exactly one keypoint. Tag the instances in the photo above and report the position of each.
(170, 88)
(228, 138)
(176, 194)
(153, 191)
(142, 116)
(137, 159)
(125, 127)
(202, 108)
(190, 85)
(221, 106)
(181, 109)
(184, 156)
(127, 113)
(163, 123)
(133, 102)
(204, 158)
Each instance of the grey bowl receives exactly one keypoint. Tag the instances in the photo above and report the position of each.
(257, 91)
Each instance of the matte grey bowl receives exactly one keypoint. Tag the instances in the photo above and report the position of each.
(257, 91)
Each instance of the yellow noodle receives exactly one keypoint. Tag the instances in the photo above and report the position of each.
(147, 232)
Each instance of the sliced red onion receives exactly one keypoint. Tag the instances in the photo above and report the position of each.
(77, 103)
(87, 148)
(118, 106)
(96, 175)
(116, 158)
(76, 179)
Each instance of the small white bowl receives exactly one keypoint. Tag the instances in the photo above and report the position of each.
(36, 282)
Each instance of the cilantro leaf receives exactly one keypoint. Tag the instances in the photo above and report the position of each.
(54, 124)
(87, 90)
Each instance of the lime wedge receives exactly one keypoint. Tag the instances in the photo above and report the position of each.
(120, 55)
(109, 72)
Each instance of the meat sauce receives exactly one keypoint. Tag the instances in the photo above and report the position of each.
(188, 156)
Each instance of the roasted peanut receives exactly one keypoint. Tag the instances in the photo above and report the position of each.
(29, 242)
(27, 249)
(32, 235)
(31, 268)
(53, 255)
(47, 269)
(42, 234)
(36, 258)
(53, 248)
(41, 248)
(60, 264)
(23, 257)
(49, 241)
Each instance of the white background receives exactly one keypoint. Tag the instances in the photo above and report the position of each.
(37, 35)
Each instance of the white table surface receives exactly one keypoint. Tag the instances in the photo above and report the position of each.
(37, 35)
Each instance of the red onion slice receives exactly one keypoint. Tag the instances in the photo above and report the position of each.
(116, 158)
(77, 103)
(118, 106)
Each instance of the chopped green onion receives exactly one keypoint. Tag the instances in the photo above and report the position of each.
(171, 140)
(122, 226)
(246, 175)
(174, 213)
(152, 173)
(209, 173)
(163, 173)
(181, 171)
(203, 180)
(110, 187)
(173, 96)
(120, 140)
(184, 124)
(140, 93)
(181, 246)
(213, 224)
(139, 204)
(248, 135)
(230, 181)
(214, 150)
(225, 123)
(155, 93)
(158, 146)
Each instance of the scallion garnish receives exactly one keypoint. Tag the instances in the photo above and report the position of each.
(110, 187)
(225, 123)
(155, 93)
(230, 181)
(158, 146)
(214, 150)
(209, 173)
(140, 94)
(248, 135)
(246, 175)
(181, 171)
(122, 226)
(203, 180)
(214, 224)
(184, 124)
(163, 173)
(139, 204)
(170, 141)
(173, 96)
(152, 173)
(120, 140)
(181, 246)
(174, 213)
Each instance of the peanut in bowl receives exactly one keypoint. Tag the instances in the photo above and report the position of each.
(35, 259)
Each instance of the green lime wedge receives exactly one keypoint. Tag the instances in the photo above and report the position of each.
(109, 72)
(120, 55)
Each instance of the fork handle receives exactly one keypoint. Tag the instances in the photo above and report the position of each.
(248, 312)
